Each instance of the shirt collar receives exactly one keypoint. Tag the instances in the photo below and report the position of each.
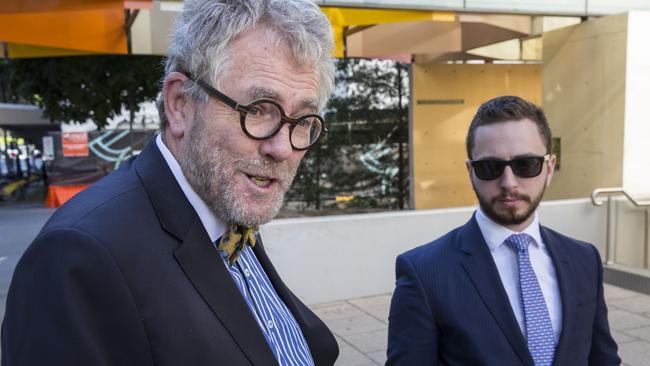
(213, 225)
(495, 234)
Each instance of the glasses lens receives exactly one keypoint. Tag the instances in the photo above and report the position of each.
(306, 131)
(527, 167)
(262, 119)
(488, 169)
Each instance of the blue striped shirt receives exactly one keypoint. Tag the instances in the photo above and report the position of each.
(282, 332)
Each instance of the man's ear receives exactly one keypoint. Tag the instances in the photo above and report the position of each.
(551, 169)
(468, 165)
(178, 106)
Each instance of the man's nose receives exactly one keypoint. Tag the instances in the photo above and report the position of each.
(508, 178)
(278, 147)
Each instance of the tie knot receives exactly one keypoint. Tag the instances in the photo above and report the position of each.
(233, 242)
(519, 242)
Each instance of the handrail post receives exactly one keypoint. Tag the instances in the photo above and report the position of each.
(611, 225)
(646, 242)
(610, 244)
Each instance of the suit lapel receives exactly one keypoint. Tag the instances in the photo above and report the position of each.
(316, 333)
(175, 213)
(564, 271)
(201, 264)
(481, 269)
(198, 258)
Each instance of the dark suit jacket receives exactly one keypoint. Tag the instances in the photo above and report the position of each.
(450, 307)
(125, 274)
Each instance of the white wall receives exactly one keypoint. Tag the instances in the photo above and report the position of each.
(636, 175)
(332, 258)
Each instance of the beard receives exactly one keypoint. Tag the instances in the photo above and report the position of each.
(509, 216)
(211, 170)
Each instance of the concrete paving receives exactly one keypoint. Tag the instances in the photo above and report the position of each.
(361, 327)
(19, 225)
(360, 324)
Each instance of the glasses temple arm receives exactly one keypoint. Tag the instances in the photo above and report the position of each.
(215, 93)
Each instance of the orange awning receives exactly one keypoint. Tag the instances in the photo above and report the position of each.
(65, 26)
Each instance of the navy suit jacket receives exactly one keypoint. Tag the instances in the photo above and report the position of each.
(125, 274)
(450, 307)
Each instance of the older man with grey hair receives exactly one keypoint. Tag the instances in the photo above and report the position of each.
(161, 263)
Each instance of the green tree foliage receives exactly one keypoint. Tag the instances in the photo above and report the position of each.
(361, 155)
(6, 93)
(75, 89)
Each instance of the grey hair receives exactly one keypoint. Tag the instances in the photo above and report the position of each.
(205, 29)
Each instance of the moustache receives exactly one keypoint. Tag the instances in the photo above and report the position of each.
(511, 195)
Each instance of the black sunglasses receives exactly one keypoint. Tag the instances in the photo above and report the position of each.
(525, 167)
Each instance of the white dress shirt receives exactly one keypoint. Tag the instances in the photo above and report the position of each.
(213, 225)
(506, 262)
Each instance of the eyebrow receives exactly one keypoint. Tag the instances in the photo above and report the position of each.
(261, 92)
(310, 105)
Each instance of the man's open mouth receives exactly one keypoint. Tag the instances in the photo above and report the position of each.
(260, 181)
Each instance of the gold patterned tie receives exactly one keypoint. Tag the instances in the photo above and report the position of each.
(235, 240)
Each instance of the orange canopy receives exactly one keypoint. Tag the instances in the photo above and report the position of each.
(72, 26)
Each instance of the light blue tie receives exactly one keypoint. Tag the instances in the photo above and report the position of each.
(539, 330)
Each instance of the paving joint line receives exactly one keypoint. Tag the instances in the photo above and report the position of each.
(350, 344)
(369, 314)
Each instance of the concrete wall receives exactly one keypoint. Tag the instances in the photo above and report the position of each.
(583, 88)
(595, 86)
(152, 28)
(327, 259)
(630, 232)
(444, 100)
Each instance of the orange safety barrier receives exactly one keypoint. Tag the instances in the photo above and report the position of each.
(58, 195)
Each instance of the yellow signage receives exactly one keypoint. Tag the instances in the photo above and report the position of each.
(344, 198)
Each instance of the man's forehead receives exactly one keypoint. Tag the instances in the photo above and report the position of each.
(262, 68)
(508, 139)
(520, 129)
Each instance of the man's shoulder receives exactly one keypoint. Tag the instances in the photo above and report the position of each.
(441, 249)
(567, 242)
(578, 251)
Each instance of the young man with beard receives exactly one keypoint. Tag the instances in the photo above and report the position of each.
(160, 263)
(502, 289)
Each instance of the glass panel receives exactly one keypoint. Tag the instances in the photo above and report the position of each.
(402, 4)
(362, 165)
(556, 7)
(618, 6)
(529, 6)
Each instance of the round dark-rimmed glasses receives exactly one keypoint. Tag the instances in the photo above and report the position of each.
(264, 118)
(524, 167)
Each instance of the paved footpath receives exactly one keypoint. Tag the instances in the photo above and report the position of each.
(360, 324)
(19, 225)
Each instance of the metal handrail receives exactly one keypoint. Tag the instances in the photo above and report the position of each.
(610, 248)
(617, 190)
